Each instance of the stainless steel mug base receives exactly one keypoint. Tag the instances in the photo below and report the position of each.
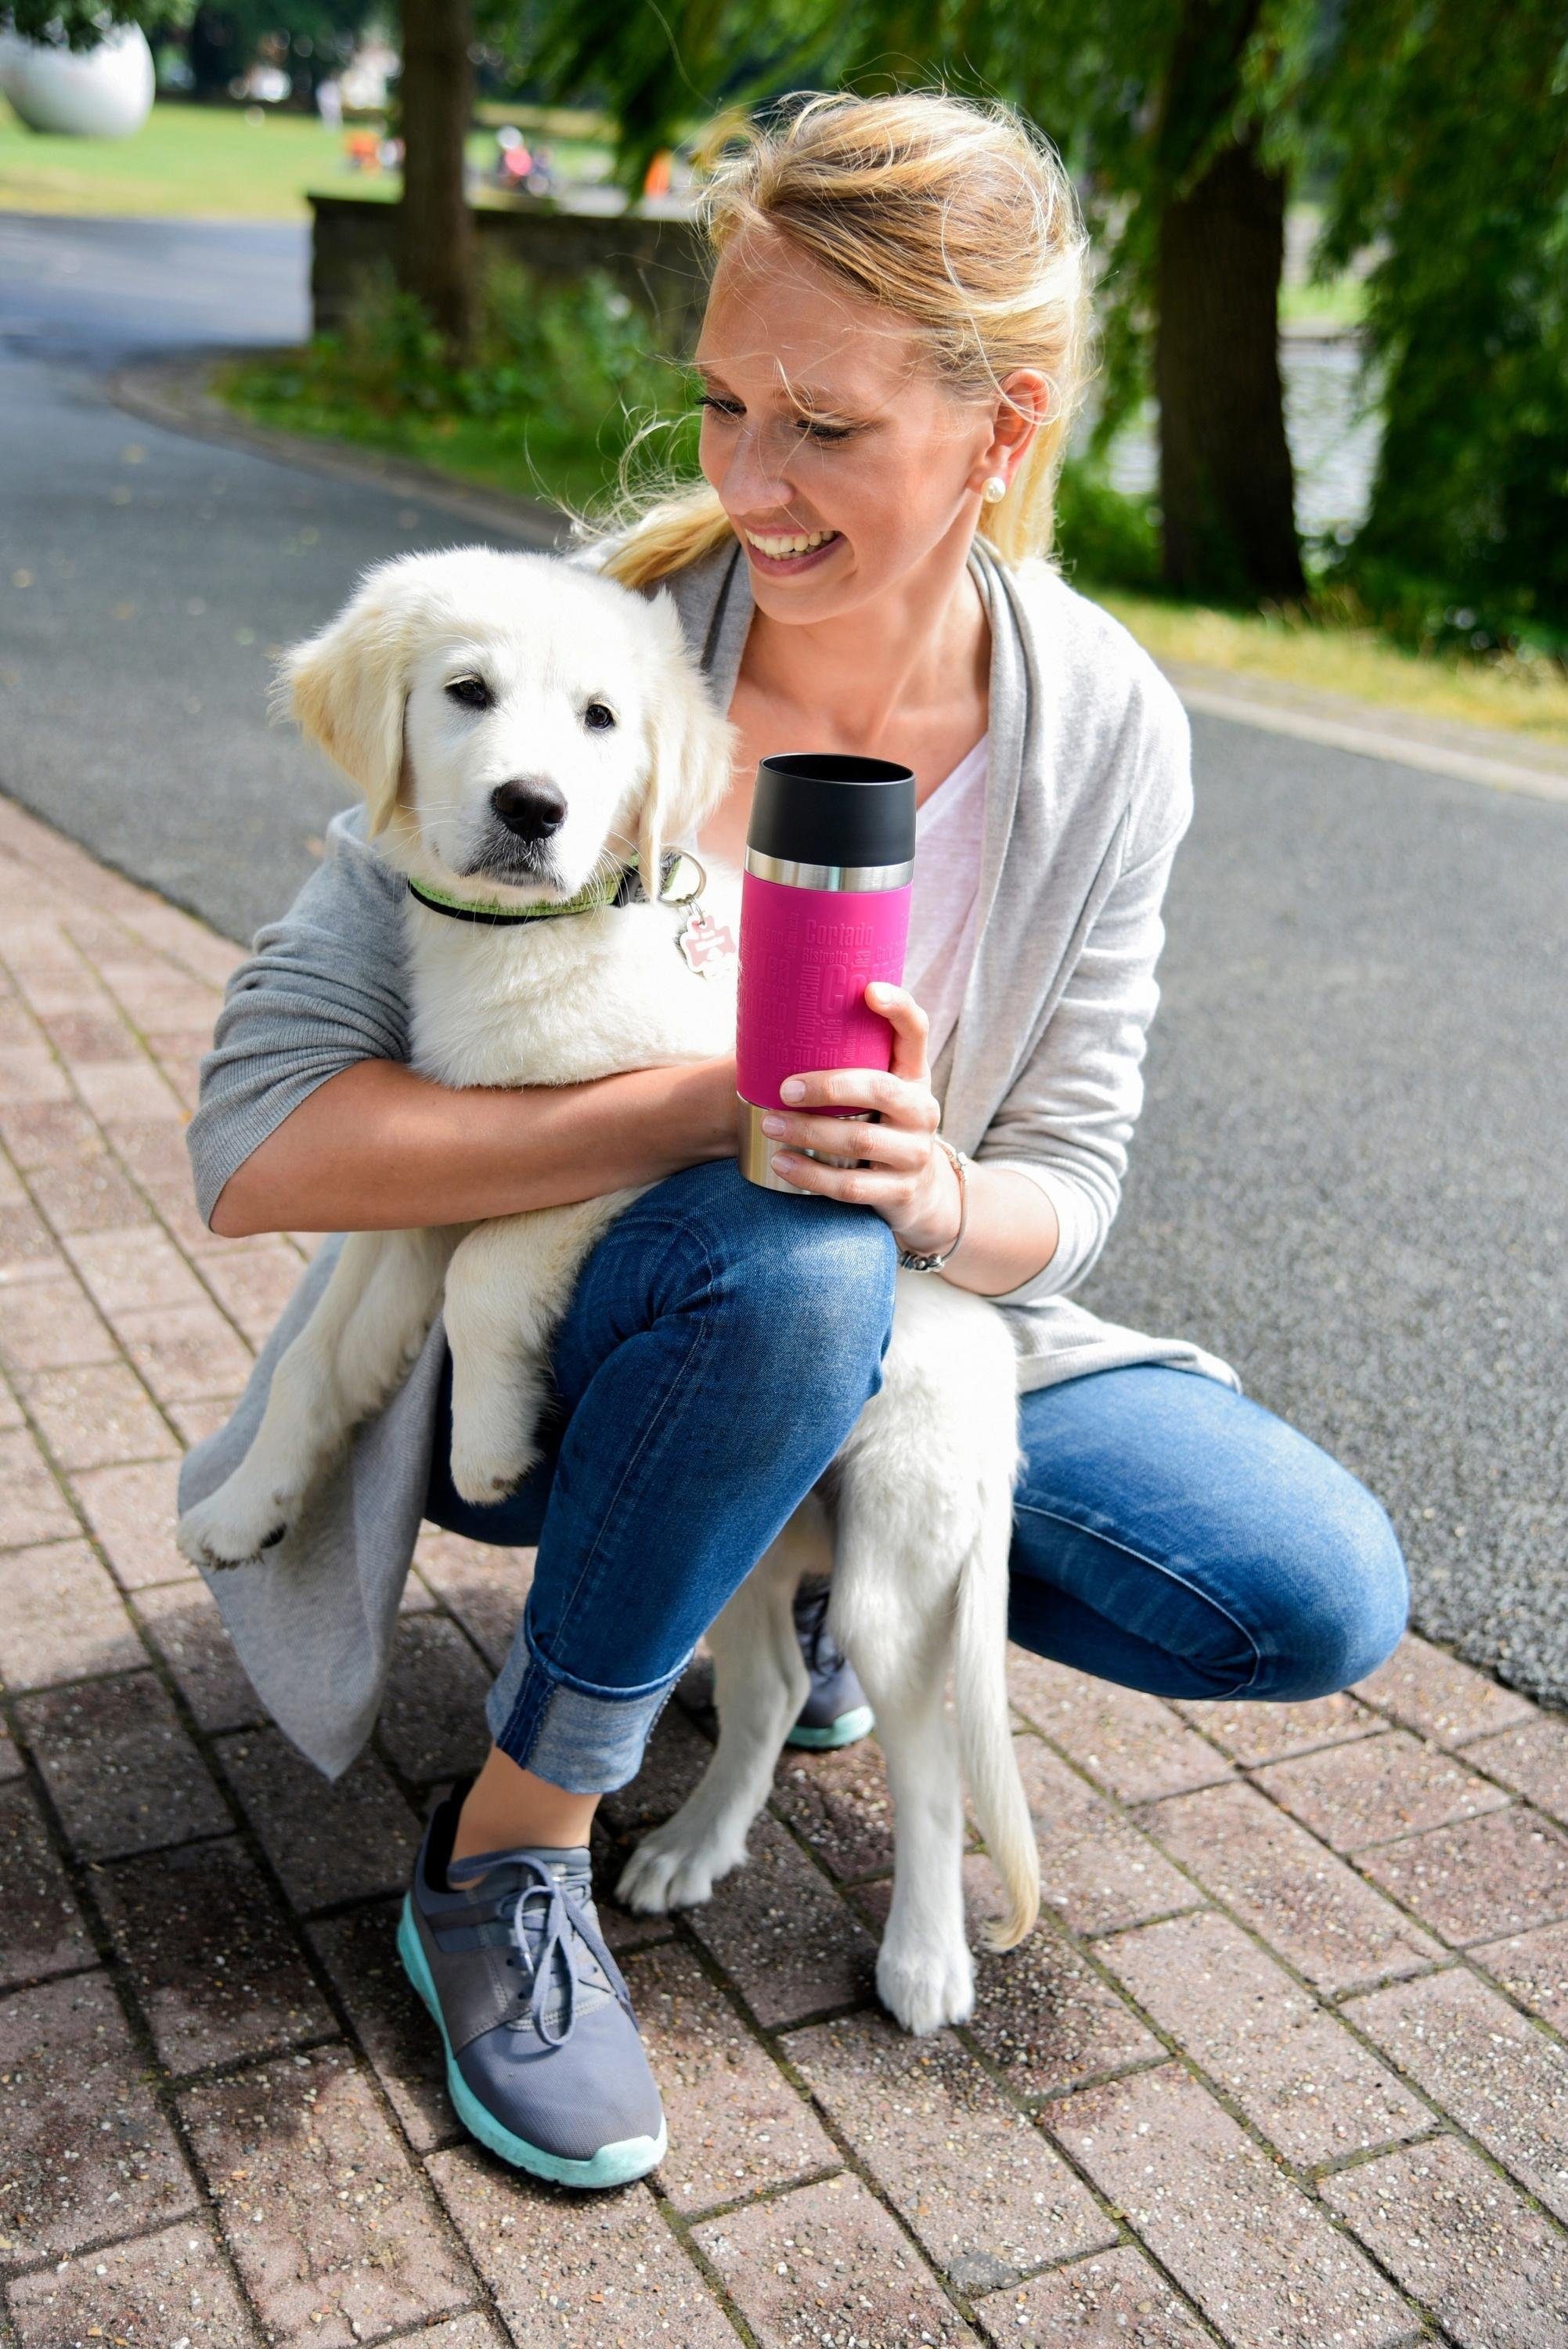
(754, 1149)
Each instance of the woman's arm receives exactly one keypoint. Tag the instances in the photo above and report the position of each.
(378, 1148)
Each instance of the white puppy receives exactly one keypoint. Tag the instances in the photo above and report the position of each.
(525, 733)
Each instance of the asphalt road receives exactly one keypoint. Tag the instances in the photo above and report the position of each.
(1350, 1174)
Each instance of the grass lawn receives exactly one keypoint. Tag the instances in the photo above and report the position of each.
(202, 162)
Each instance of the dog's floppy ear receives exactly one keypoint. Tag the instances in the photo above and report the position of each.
(689, 747)
(346, 688)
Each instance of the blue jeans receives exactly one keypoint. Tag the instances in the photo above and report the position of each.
(719, 1345)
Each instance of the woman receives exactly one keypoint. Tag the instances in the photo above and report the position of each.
(890, 360)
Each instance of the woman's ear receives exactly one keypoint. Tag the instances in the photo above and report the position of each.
(346, 688)
(690, 747)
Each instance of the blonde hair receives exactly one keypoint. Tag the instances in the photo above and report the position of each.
(953, 213)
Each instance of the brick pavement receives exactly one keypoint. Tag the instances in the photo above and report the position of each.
(1282, 2066)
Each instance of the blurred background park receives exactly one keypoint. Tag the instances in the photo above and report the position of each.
(1327, 435)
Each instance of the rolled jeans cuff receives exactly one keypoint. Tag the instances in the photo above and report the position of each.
(584, 1740)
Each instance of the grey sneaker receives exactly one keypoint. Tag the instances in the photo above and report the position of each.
(835, 1712)
(543, 2059)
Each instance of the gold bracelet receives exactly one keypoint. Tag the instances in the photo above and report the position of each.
(960, 1164)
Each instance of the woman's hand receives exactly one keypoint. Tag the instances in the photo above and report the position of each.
(907, 1178)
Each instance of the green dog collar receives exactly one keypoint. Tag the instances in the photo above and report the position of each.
(622, 888)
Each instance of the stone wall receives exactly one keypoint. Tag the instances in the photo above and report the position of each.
(659, 263)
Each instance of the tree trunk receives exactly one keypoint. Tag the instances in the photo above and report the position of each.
(436, 242)
(1226, 483)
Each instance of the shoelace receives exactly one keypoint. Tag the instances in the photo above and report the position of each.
(561, 1918)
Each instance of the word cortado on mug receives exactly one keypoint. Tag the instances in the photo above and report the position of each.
(824, 912)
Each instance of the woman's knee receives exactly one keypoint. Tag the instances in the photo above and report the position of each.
(1341, 1597)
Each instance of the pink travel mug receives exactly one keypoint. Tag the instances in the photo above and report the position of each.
(824, 910)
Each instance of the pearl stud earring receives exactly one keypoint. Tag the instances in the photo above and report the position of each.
(995, 490)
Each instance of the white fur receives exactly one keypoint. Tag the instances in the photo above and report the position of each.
(914, 1516)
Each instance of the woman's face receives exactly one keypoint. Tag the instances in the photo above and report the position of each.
(838, 453)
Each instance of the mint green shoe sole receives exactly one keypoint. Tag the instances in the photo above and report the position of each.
(613, 2164)
(848, 1730)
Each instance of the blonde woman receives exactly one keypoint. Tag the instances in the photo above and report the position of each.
(889, 365)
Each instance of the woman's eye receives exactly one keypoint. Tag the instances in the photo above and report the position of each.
(598, 717)
(719, 406)
(813, 431)
(469, 692)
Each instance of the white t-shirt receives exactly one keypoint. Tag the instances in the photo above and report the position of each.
(944, 907)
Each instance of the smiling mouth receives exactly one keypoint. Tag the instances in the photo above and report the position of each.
(789, 546)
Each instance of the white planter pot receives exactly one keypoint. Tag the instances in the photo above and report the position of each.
(102, 93)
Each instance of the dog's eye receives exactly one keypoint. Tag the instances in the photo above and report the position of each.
(470, 692)
(598, 717)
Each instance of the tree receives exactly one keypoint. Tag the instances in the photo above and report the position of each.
(436, 260)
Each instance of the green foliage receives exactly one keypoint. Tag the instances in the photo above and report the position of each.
(562, 387)
(82, 24)
(1453, 133)
(1106, 537)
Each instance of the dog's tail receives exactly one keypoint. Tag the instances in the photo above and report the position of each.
(984, 1724)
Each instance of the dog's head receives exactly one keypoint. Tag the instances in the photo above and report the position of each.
(513, 719)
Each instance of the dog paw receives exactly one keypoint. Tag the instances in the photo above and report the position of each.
(923, 1988)
(669, 1869)
(484, 1476)
(222, 1532)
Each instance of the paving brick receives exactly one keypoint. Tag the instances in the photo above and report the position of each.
(30, 1073)
(1476, 1881)
(155, 2289)
(840, 1804)
(1492, 2272)
(1304, 1900)
(1113, 2301)
(790, 1944)
(432, 1722)
(1097, 1872)
(976, 2183)
(197, 1420)
(87, 2152)
(591, 2272)
(360, 1953)
(48, 1133)
(675, 1758)
(89, 1035)
(11, 1762)
(51, 1325)
(1378, 1789)
(1254, 1733)
(87, 1194)
(95, 1418)
(736, 2125)
(129, 1272)
(218, 1972)
(472, 2331)
(323, 2216)
(1492, 2071)
(43, 1931)
(1534, 1968)
(132, 1512)
(183, 1621)
(27, 1250)
(1532, 1759)
(185, 1352)
(122, 1773)
(485, 1587)
(1298, 2074)
(1042, 2014)
(118, 1090)
(827, 2263)
(1131, 1744)
(253, 1283)
(1426, 1689)
(621, 1929)
(1246, 2245)
(61, 1618)
(32, 1507)
(331, 1841)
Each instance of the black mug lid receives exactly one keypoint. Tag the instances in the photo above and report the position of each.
(823, 807)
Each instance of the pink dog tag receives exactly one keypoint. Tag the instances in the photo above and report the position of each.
(704, 942)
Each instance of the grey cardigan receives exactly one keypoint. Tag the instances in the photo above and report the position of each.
(1087, 795)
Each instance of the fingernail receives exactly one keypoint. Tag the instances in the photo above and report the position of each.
(781, 1164)
(773, 1126)
(792, 1088)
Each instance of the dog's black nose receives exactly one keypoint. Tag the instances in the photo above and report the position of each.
(532, 810)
